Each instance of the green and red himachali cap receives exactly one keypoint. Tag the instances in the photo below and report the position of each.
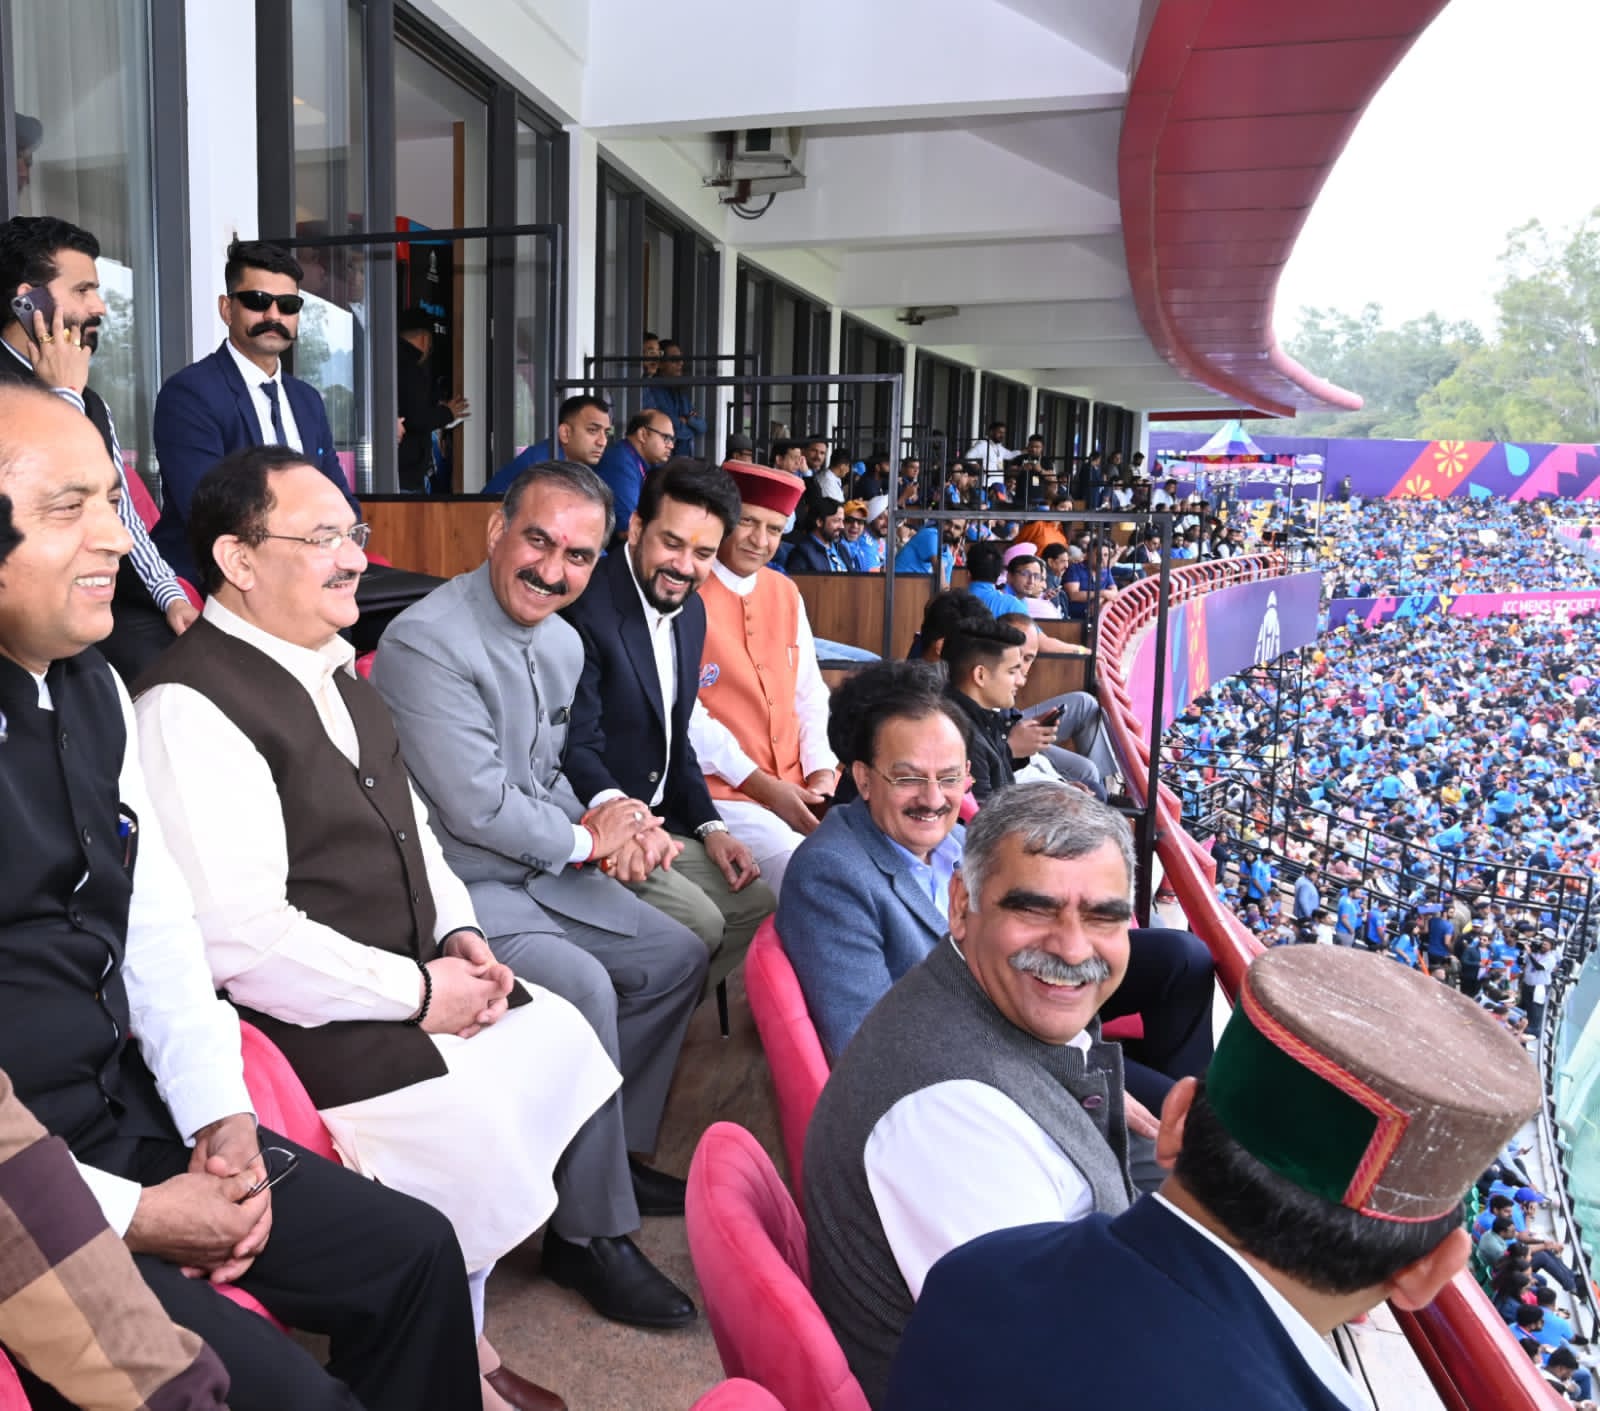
(1367, 1083)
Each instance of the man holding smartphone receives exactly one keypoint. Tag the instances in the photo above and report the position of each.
(50, 316)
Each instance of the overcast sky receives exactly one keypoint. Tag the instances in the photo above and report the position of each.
(1492, 118)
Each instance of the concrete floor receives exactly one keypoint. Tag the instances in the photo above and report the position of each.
(553, 1337)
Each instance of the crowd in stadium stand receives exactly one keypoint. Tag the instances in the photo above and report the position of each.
(1377, 548)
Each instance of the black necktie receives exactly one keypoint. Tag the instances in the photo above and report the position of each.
(270, 390)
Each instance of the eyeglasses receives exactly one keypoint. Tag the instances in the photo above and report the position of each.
(667, 438)
(332, 541)
(258, 301)
(917, 783)
(851, 519)
(281, 1163)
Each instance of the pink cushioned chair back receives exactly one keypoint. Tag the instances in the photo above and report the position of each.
(13, 1399)
(281, 1102)
(969, 807)
(794, 1052)
(749, 1251)
(738, 1395)
(148, 514)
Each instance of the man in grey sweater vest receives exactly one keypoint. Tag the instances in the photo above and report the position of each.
(977, 1095)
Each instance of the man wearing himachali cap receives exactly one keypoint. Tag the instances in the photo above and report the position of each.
(760, 727)
(1316, 1170)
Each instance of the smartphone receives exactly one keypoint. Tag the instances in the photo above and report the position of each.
(1051, 717)
(36, 300)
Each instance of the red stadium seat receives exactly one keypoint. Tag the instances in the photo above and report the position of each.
(749, 1251)
(149, 514)
(735, 1395)
(280, 1099)
(794, 1052)
(12, 1397)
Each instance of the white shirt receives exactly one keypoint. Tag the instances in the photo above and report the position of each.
(1307, 1340)
(188, 1037)
(255, 380)
(659, 626)
(991, 455)
(828, 484)
(960, 1159)
(718, 747)
(220, 806)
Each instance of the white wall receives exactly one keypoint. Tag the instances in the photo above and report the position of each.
(221, 62)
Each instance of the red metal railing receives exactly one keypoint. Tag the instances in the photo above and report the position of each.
(1461, 1342)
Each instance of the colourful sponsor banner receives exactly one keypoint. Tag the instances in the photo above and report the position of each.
(1408, 469)
(1554, 607)
(1216, 636)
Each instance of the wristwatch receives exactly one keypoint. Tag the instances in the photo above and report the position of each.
(705, 830)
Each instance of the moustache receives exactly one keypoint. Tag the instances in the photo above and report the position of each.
(672, 576)
(342, 577)
(270, 325)
(532, 579)
(922, 813)
(1055, 971)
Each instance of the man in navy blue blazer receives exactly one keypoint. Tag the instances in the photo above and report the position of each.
(240, 395)
(866, 897)
(644, 629)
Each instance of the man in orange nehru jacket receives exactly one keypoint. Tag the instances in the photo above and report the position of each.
(760, 727)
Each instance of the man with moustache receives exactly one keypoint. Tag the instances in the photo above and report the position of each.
(760, 723)
(114, 1037)
(240, 396)
(977, 1094)
(480, 677)
(643, 628)
(821, 526)
(58, 260)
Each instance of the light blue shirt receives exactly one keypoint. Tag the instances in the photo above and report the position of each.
(934, 875)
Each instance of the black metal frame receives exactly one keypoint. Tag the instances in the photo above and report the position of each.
(166, 71)
(957, 432)
(812, 313)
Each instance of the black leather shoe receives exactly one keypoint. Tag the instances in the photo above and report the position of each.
(656, 1192)
(619, 1282)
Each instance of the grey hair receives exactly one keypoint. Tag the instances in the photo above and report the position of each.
(1048, 819)
(572, 476)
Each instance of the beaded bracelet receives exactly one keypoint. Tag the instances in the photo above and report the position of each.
(427, 997)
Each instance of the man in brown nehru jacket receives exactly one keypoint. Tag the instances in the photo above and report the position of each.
(1317, 1169)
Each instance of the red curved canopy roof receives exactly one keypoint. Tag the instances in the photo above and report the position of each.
(1237, 113)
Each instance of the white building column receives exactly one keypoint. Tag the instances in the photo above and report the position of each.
(220, 62)
(583, 244)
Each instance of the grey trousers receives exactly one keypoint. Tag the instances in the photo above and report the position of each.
(1081, 729)
(695, 893)
(637, 992)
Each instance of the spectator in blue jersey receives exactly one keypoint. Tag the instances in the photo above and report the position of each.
(1090, 586)
(1258, 880)
(820, 526)
(1307, 903)
(668, 394)
(1403, 947)
(1377, 928)
(983, 568)
(933, 543)
(858, 548)
(648, 443)
(1346, 918)
(582, 434)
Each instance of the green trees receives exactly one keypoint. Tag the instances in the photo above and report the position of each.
(1536, 379)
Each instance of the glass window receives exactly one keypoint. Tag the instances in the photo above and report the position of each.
(442, 180)
(535, 308)
(330, 198)
(83, 113)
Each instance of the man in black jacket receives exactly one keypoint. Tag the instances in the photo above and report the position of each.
(984, 660)
(644, 629)
(421, 409)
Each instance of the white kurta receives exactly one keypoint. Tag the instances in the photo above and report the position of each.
(769, 838)
(480, 1143)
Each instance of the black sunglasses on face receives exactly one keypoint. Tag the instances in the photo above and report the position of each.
(258, 301)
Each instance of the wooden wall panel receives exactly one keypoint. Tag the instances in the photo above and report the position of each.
(428, 534)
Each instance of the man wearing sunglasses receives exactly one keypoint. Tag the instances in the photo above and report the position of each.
(240, 395)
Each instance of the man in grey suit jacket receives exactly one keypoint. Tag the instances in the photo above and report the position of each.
(480, 678)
